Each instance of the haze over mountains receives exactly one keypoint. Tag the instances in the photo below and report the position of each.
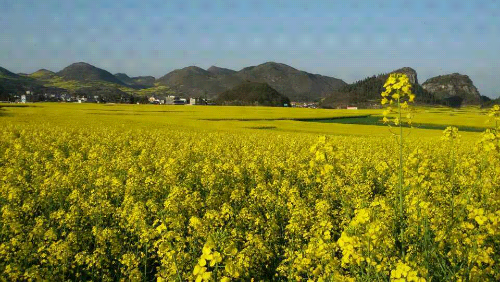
(192, 81)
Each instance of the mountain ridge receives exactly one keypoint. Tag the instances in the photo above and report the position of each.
(82, 71)
(295, 84)
(193, 81)
(6, 72)
(220, 71)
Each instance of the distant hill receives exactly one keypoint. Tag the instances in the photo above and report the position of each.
(190, 73)
(366, 92)
(91, 82)
(146, 81)
(86, 72)
(12, 84)
(124, 78)
(139, 82)
(220, 71)
(453, 86)
(42, 74)
(15, 83)
(295, 84)
(252, 93)
(410, 73)
(195, 81)
(7, 73)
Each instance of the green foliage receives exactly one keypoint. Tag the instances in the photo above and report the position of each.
(160, 90)
(42, 74)
(252, 93)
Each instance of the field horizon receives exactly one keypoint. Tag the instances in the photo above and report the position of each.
(431, 121)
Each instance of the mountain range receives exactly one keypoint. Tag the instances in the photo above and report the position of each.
(295, 84)
(193, 81)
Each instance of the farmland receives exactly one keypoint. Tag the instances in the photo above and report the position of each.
(176, 193)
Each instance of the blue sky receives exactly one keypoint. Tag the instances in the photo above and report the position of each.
(345, 39)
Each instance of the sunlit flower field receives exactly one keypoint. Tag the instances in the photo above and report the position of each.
(193, 193)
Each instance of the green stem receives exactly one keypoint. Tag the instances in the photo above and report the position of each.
(216, 271)
(401, 180)
(175, 264)
(452, 180)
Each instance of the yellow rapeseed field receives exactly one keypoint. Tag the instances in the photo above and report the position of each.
(201, 193)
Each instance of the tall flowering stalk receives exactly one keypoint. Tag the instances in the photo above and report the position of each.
(491, 136)
(398, 92)
(494, 115)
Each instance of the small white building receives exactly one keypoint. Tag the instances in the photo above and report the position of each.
(169, 100)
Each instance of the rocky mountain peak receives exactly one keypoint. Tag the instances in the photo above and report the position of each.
(455, 84)
(411, 73)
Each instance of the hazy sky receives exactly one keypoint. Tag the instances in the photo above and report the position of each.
(345, 39)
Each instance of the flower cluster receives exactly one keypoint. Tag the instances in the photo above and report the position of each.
(209, 258)
(450, 133)
(397, 94)
(404, 273)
